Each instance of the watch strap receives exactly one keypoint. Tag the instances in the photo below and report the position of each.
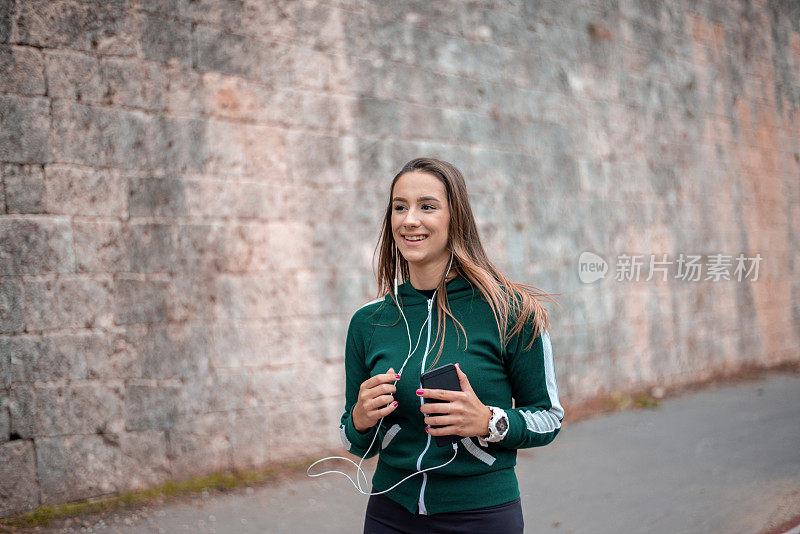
(494, 435)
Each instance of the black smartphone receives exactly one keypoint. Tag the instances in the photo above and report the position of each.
(444, 377)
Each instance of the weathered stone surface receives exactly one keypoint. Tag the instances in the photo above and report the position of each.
(152, 406)
(12, 312)
(116, 354)
(199, 444)
(40, 307)
(66, 408)
(176, 144)
(101, 27)
(194, 297)
(19, 491)
(5, 414)
(74, 76)
(95, 136)
(157, 197)
(35, 246)
(139, 301)
(271, 386)
(275, 342)
(143, 459)
(245, 248)
(131, 83)
(24, 188)
(225, 147)
(201, 248)
(241, 296)
(6, 19)
(224, 52)
(264, 150)
(77, 467)
(248, 440)
(79, 408)
(22, 409)
(226, 391)
(165, 39)
(37, 358)
(175, 351)
(24, 129)
(236, 98)
(78, 191)
(153, 247)
(5, 361)
(184, 85)
(317, 158)
(69, 301)
(101, 246)
(97, 407)
(85, 301)
(319, 436)
(22, 68)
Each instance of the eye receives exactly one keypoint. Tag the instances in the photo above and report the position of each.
(429, 206)
(398, 207)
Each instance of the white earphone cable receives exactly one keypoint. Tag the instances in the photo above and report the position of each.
(359, 471)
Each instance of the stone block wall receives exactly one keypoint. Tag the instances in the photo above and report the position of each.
(192, 190)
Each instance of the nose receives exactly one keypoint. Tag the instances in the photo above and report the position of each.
(411, 219)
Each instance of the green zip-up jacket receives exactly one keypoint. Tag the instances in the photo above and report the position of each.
(478, 476)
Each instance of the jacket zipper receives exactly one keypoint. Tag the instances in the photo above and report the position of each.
(421, 503)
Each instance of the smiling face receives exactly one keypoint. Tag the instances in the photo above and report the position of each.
(420, 219)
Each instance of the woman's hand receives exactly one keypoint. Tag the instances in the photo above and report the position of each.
(373, 396)
(464, 414)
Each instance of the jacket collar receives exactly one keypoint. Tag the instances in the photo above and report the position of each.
(457, 288)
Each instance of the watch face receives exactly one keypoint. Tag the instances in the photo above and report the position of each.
(501, 425)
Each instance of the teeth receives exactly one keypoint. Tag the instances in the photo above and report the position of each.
(416, 238)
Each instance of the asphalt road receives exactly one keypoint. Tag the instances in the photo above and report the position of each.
(724, 459)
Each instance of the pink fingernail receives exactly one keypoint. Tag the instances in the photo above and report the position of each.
(394, 403)
(397, 377)
(420, 392)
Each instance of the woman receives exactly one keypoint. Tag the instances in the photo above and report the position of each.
(451, 291)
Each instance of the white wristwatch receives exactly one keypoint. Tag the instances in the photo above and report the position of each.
(498, 427)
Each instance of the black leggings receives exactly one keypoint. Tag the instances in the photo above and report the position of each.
(384, 516)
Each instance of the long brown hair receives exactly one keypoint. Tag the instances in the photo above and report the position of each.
(506, 298)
